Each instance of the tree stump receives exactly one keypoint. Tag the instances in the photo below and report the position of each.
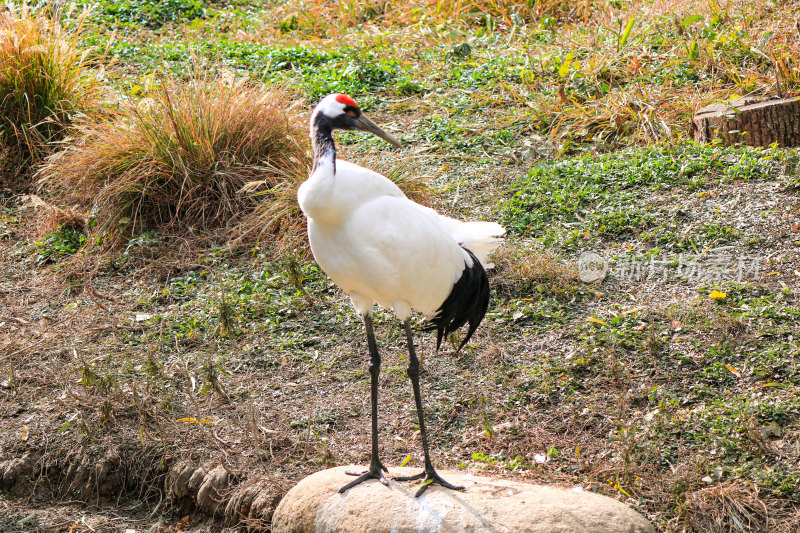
(750, 121)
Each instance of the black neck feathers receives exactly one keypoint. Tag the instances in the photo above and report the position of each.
(322, 145)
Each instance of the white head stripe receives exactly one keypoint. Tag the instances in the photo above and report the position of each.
(330, 107)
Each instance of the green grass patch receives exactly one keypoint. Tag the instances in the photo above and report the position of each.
(572, 202)
(315, 72)
(61, 243)
(151, 13)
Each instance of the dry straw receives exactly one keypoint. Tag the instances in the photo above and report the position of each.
(46, 79)
(206, 157)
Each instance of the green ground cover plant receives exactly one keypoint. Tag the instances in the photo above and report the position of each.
(151, 13)
(561, 202)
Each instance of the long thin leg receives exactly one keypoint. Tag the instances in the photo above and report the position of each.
(375, 467)
(429, 475)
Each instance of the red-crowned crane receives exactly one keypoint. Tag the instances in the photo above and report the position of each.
(380, 247)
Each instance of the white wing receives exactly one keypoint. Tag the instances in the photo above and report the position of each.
(480, 238)
(379, 246)
(391, 251)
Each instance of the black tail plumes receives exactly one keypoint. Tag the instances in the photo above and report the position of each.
(467, 302)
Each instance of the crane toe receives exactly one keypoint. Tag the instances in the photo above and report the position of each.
(375, 471)
(429, 477)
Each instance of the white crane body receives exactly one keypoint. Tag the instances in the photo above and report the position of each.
(380, 247)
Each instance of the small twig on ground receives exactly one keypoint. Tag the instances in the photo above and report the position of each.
(22, 350)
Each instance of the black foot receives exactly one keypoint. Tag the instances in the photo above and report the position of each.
(428, 477)
(375, 472)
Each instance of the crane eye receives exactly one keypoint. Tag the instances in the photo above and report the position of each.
(351, 112)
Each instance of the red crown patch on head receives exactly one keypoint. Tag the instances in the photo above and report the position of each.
(346, 100)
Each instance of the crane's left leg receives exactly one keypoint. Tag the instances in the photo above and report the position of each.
(376, 468)
(429, 475)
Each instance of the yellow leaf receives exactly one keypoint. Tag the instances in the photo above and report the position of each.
(717, 295)
(406, 460)
(596, 321)
(25, 432)
(193, 420)
(733, 371)
(617, 486)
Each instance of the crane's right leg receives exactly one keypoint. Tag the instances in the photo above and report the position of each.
(376, 468)
(429, 475)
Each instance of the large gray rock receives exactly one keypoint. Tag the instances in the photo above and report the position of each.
(496, 505)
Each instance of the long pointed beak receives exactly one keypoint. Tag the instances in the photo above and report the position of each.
(366, 124)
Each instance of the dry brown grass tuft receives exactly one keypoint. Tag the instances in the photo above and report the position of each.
(198, 158)
(46, 79)
(727, 506)
(533, 272)
(48, 217)
(511, 11)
